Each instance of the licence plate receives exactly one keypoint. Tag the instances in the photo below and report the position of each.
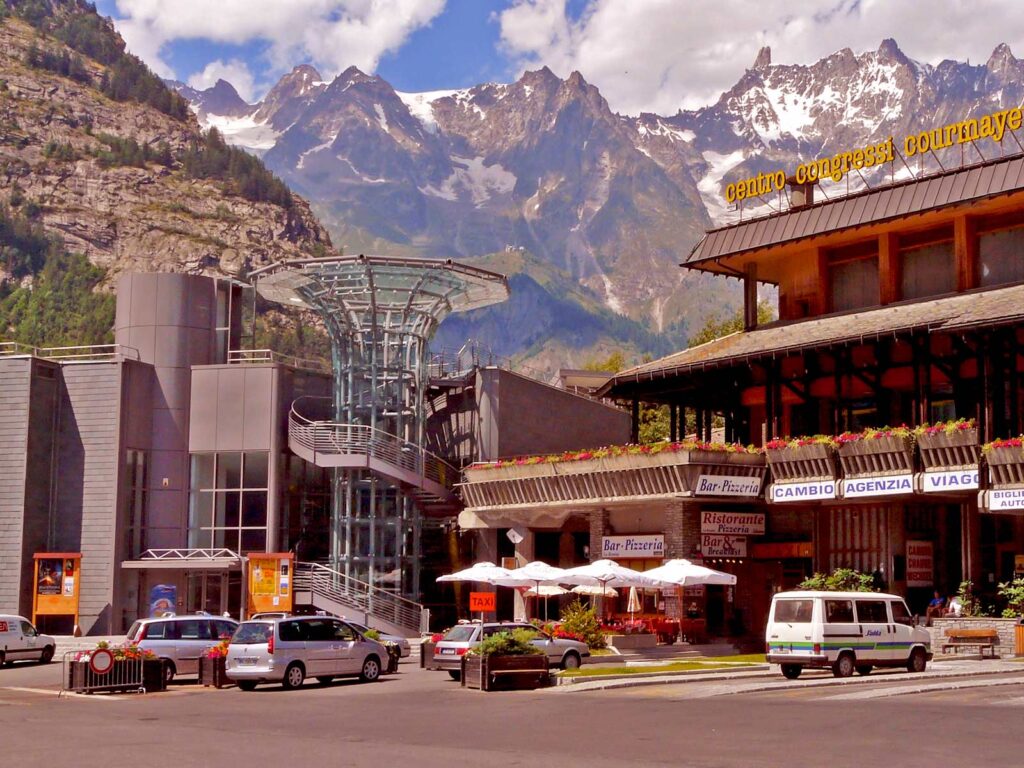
(780, 650)
(447, 651)
(247, 660)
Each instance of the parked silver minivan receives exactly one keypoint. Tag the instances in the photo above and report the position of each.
(289, 650)
(181, 640)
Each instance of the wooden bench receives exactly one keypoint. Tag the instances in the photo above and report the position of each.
(981, 639)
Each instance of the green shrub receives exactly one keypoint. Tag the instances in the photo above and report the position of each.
(372, 634)
(514, 643)
(1013, 593)
(581, 620)
(840, 580)
(244, 174)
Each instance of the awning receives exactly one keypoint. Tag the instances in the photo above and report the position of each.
(186, 560)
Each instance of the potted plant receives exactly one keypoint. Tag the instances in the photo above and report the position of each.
(881, 450)
(948, 444)
(505, 661)
(213, 666)
(130, 668)
(1013, 593)
(394, 652)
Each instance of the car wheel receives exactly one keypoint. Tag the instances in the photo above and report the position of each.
(571, 660)
(47, 655)
(294, 676)
(864, 669)
(791, 671)
(169, 671)
(246, 685)
(455, 674)
(844, 665)
(371, 669)
(917, 661)
(325, 679)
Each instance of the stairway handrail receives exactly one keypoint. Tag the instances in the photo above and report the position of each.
(367, 597)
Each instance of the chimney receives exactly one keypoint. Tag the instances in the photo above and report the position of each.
(800, 195)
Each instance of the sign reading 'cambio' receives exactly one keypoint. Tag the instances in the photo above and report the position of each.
(920, 564)
(633, 546)
(727, 485)
(736, 523)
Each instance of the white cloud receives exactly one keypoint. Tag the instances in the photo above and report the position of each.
(660, 55)
(333, 34)
(234, 71)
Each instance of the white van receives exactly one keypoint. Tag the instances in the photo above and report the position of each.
(19, 641)
(844, 632)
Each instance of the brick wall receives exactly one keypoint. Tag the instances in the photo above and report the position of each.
(1005, 627)
(598, 528)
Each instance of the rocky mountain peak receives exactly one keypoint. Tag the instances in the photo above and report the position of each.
(889, 51)
(223, 99)
(764, 58)
(1002, 58)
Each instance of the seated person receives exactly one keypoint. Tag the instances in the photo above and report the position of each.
(693, 612)
(955, 608)
(937, 606)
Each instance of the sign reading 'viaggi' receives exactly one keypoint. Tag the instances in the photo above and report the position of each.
(735, 523)
(633, 546)
(809, 491)
(891, 485)
(727, 485)
(950, 481)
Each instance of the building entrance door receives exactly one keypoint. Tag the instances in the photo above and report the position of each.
(207, 591)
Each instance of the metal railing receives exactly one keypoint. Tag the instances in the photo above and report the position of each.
(241, 356)
(78, 676)
(328, 438)
(356, 595)
(80, 354)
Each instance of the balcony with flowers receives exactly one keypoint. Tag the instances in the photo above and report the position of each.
(615, 474)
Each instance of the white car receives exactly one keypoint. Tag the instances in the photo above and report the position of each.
(20, 641)
(846, 632)
(289, 650)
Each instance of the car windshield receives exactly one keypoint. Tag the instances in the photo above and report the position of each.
(463, 633)
(134, 630)
(252, 632)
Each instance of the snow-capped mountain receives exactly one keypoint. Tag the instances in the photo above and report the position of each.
(544, 164)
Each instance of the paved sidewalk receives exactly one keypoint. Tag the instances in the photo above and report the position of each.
(764, 678)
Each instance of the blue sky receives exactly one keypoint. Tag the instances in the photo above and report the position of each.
(644, 55)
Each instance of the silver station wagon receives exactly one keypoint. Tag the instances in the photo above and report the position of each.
(289, 650)
(181, 640)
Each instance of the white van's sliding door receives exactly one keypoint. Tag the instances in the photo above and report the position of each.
(873, 617)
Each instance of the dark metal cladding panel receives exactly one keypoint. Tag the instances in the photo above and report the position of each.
(945, 193)
(975, 180)
(959, 183)
(834, 210)
(749, 236)
(858, 209)
(917, 197)
(931, 194)
(704, 248)
(728, 237)
(793, 226)
(773, 232)
(903, 200)
(999, 177)
(845, 213)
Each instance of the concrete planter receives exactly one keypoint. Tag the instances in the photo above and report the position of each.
(1007, 629)
(802, 463)
(214, 672)
(505, 673)
(958, 450)
(513, 472)
(887, 455)
(1006, 466)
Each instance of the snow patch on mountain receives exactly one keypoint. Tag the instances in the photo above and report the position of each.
(472, 177)
(382, 119)
(421, 106)
(326, 145)
(244, 131)
(710, 185)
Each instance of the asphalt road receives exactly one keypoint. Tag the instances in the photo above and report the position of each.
(420, 718)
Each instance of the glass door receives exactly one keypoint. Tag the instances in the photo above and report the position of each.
(207, 591)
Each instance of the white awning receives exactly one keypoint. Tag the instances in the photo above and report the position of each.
(186, 560)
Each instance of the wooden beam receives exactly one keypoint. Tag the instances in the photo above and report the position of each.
(824, 297)
(750, 297)
(965, 249)
(889, 268)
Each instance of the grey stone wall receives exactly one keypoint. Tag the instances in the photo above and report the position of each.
(598, 528)
(14, 407)
(1005, 627)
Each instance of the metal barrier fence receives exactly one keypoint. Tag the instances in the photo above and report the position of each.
(80, 676)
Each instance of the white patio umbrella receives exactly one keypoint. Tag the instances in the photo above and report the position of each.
(683, 573)
(608, 573)
(594, 591)
(546, 590)
(633, 605)
(480, 573)
(534, 574)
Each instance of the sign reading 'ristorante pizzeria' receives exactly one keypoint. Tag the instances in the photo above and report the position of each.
(735, 523)
(836, 168)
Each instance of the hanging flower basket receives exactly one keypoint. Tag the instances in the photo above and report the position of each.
(949, 445)
(1005, 461)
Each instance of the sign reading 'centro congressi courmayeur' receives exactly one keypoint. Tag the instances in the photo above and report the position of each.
(992, 126)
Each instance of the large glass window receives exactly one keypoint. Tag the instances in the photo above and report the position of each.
(928, 270)
(1001, 255)
(228, 502)
(854, 284)
(135, 466)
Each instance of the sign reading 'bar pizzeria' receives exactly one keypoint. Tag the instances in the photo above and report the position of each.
(727, 485)
(633, 546)
(736, 523)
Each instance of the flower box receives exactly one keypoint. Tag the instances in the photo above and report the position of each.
(213, 671)
(878, 455)
(1006, 465)
(950, 450)
(795, 463)
(505, 673)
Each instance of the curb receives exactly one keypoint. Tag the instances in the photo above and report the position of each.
(604, 682)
